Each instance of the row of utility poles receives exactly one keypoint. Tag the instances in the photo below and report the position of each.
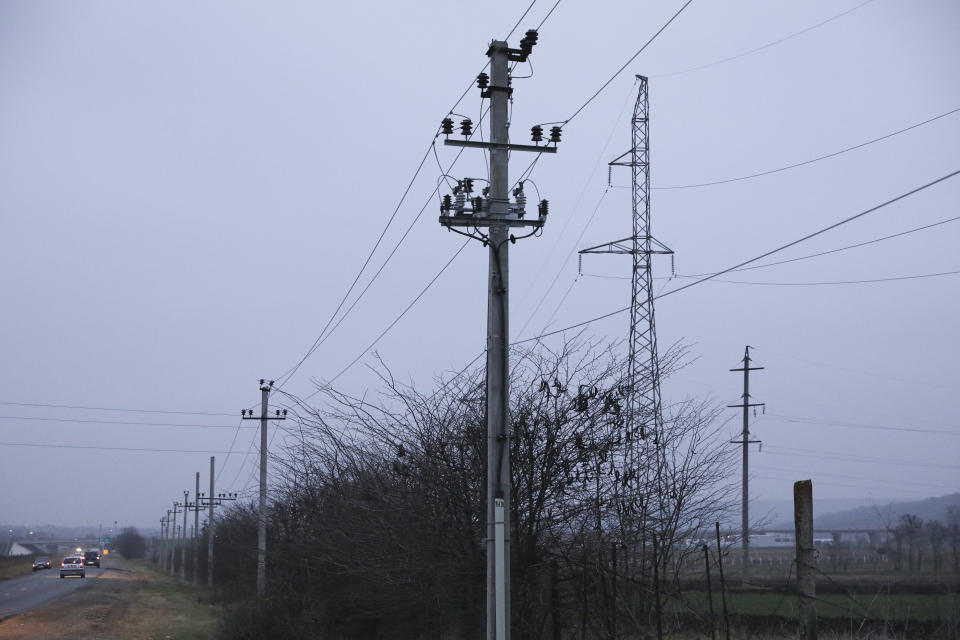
(173, 536)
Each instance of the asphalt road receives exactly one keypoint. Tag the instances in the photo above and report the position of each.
(38, 589)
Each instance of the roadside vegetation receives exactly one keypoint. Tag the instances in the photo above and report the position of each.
(17, 566)
(130, 599)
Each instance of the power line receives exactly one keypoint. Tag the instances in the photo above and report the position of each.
(104, 448)
(836, 475)
(751, 260)
(925, 383)
(404, 312)
(562, 264)
(627, 63)
(837, 423)
(119, 422)
(837, 250)
(289, 373)
(762, 47)
(812, 160)
(87, 408)
(834, 282)
(851, 486)
(810, 453)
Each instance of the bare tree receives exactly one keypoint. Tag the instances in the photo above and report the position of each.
(382, 504)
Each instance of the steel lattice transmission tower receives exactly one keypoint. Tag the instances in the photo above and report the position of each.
(643, 370)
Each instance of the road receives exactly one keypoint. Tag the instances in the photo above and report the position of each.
(38, 589)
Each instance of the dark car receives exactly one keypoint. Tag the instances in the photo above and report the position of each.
(42, 562)
(91, 557)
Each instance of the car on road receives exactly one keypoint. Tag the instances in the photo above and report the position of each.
(72, 566)
(41, 562)
(91, 557)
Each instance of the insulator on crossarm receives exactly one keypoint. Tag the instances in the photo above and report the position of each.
(521, 199)
(528, 41)
(468, 185)
(466, 127)
(544, 208)
(446, 203)
(536, 133)
(460, 202)
(554, 134)
(483, 81)
(446, 126)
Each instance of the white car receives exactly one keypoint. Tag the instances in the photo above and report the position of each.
(72, 566)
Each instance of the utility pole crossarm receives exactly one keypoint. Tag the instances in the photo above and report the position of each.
(472, 144)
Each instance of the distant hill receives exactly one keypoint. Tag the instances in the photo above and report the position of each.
(878, 516)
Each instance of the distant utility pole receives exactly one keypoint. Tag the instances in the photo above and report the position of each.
(746, 441)
(161, 544)
(210, 502)
(262, 515)
(183, 538)
(196, 532)
(173, 537)
(166, 542)
(210, 530)
(494, 211)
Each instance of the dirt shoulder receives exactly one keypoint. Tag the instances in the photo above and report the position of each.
(130, 600)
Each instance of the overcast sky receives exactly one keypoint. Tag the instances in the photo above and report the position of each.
(188, 189)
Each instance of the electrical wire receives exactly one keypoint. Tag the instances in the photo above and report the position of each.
(840, 282)
(762, 47)
(104, 448)
(777, 417)
(286, 376)
(402, 313)
(569, 218)
(850, 486)
(837, 250)
(924, 383)
(846, 477)
(87, 408)
(627, 63)
(812, 160)
(118, 422)
(751, 260)
(802, 284)
(810, 453)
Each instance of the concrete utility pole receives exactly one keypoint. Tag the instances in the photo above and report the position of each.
(183, 538)
(262, 513)
(196, 532)
(162, 541)
(806, 573)
(495, 212)
(173, 537)
(745, 441)
(210, 530)
(166, 542)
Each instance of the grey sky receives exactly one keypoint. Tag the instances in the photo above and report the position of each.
(188, 189)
